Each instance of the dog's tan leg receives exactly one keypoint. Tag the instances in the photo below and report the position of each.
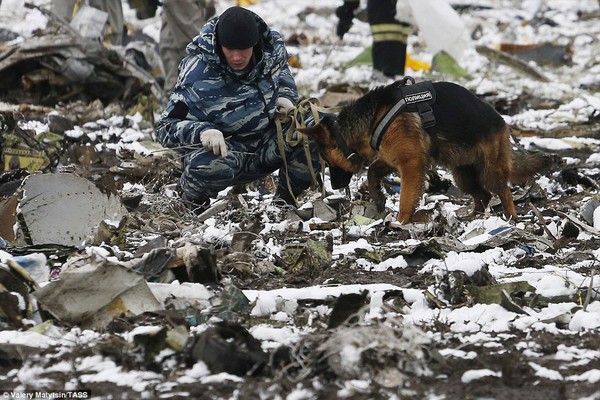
(411, 188)
(498, 183)
(407, 147)
(506, 198)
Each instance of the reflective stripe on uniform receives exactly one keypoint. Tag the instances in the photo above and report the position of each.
(390, 32)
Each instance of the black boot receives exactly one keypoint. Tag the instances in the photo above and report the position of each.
(197, 205)
(282, 195)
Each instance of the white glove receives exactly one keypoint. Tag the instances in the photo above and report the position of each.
(213, 139)
(284, 104)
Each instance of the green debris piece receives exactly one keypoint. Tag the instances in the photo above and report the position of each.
(361, 220)
(233, 299)
(433, 300)
(492, 294)
(309, 258)
(444, 63)
(279, 271)
(42, 328)
(375, 255)
(146, 106)
(50, 139)
(177, 337)
(363, 58)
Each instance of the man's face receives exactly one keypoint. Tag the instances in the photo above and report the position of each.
(237, 59)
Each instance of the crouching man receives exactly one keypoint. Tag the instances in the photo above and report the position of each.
(221, 114)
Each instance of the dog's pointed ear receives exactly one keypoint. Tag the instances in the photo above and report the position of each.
(319, 129)
(321, 132)
(312, 131)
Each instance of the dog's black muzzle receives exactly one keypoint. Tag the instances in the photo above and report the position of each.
(339, 178)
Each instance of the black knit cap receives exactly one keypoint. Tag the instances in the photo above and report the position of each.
(237, 28)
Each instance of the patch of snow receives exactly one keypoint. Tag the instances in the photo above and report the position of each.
(546, 373)
(476, 374)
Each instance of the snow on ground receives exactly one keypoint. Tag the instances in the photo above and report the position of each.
(323, 60)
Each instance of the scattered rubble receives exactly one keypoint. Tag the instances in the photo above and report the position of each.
(103, 270)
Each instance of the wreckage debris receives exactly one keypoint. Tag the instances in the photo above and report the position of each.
(15, 285)
(51, 203)
(346, 309)
(228, 347)
(514, 62)
(387, 353)
(116, 291)
(61, 64)
(541, 53)
(349, 339)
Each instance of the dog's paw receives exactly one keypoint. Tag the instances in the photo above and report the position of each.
(380, 204)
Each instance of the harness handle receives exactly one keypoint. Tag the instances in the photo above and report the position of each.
(405, 80)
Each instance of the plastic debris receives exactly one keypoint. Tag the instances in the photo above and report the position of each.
(36, 266)
(183, 296)
(346, 309)
(228, 347)
(92, 290)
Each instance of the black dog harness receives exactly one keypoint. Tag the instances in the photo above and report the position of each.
(415, 97)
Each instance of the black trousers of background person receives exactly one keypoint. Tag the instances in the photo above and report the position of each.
(389, 37)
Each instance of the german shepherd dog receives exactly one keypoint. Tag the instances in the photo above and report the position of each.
(469, 138)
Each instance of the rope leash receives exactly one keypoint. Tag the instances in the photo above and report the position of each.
(296, 118)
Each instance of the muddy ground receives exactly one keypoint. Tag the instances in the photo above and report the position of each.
(309, 350)
(299, 370)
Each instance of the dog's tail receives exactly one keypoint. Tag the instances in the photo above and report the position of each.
(526, 164)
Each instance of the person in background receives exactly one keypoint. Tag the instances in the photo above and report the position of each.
(388, 33)
(66, 9)
(221, 114)
(180, 23)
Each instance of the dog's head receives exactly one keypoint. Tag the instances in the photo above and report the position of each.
(341, 168)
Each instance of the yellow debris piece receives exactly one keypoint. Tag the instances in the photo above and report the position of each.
(246, 2)
(416, 65)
